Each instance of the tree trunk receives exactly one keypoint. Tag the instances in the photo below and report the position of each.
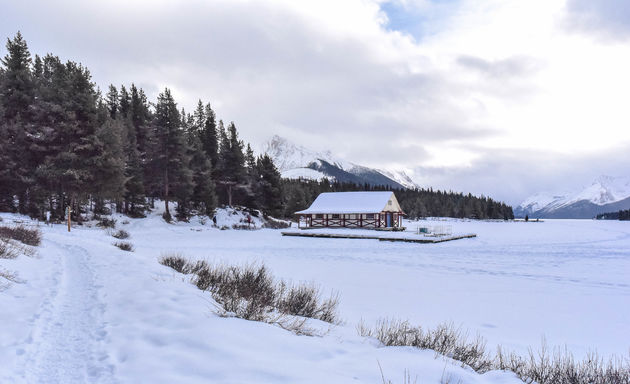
(166, 191)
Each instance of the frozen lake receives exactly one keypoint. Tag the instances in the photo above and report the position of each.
(85, 311)
(566, 280)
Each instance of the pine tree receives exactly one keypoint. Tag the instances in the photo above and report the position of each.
(112, 101)
(16, 90)
(269, 188)
(250, 161)
(203, 197)
(16, 95)
(209, 137)
(124, 102)
(7, 166)
(171, 152)
(109, 166)
(140, 117)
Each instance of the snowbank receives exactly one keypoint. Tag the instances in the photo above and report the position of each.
(89, 312)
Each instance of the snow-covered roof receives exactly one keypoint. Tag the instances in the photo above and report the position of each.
(353, 202)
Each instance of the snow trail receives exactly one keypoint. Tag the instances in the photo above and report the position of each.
(65, 341)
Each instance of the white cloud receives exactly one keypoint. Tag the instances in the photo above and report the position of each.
(492, 81)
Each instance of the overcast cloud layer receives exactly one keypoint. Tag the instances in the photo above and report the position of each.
(499, 97)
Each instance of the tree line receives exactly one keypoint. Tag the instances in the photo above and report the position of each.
(619, 215)
(416, 203)
(63, 143)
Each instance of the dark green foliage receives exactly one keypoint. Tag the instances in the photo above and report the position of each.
(268, 186)
(63, 144)
(209, 137)
(203, 198)
(620, 215)
(17, 81)
(416, 203)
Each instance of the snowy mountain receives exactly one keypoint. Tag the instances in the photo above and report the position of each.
(605, 194)
(295, 161)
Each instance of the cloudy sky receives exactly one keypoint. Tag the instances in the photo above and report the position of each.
(501, 97)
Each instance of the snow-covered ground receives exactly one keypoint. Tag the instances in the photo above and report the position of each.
(89, 312)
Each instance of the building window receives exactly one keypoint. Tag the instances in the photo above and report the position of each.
(389, 202)
(369, 216)
(319, 216)
(335, 216)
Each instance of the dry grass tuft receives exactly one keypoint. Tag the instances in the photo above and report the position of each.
(251, 292)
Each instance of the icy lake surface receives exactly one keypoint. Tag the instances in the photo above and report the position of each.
(565, 280)
(85, 311)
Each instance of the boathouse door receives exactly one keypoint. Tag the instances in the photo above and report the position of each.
(389, 219)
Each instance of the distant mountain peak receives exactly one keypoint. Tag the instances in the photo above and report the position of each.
(604, 193)
(296, 161)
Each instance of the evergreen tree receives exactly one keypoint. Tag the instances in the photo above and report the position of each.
(16, 90)
(112, 101)
(209, 137)
(134, 172)
(7, 166)
(171, 152)
(140, 117)
(250, 161)
(16, 95)
(124, 102)
(269, 188)
(109, 165)
(231, 167)
(203, 198)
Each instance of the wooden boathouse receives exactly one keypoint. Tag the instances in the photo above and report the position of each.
(377, 210)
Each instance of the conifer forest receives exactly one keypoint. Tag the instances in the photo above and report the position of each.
(66, 143)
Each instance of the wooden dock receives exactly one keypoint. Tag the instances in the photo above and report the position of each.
(408, 239)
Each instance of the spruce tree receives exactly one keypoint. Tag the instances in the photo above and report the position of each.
(170, 152)
(17, 95)
(16, 90)
(112, 101)
(209, 136)
(109, 166)
(124, 102)
(269, 186)
(203, 198)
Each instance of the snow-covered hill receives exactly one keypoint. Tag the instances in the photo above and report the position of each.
(83, 311)
(604, 194)
(296, 161)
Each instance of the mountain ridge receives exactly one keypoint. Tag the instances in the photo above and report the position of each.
(296, 161)
(604, 194)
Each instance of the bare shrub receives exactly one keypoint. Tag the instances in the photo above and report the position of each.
(541, 367)
(445, 339)
(7, 251)
(242, 226)
(125, 246)
(247, 292)
(175, 261)
(106, 223)
(276, 224)
(406, 376)
(22, 234)
(10, 276)
(305, 300)
(559, 366)
(7, 278)
(121, 234)
(250, 292)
